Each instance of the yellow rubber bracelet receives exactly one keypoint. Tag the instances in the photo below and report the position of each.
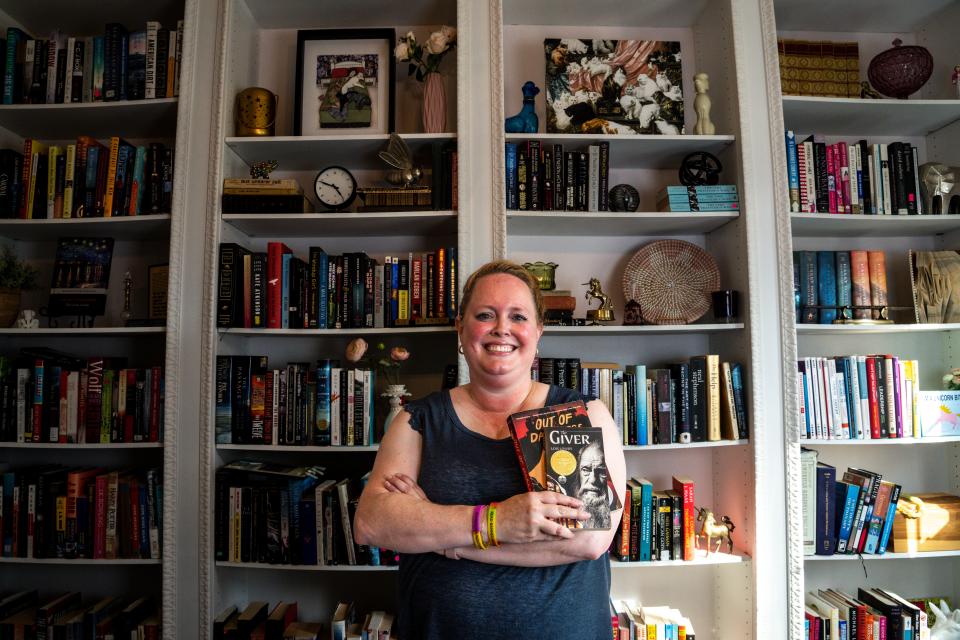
(492, 524)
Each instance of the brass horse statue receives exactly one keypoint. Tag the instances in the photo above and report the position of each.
(711, 529)
(603, 313)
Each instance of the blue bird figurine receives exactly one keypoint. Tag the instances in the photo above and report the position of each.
(526, 121)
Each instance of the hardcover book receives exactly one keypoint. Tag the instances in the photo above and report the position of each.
(526, 431)
(576, 466)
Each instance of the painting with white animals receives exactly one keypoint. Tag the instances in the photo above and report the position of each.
(613, 86)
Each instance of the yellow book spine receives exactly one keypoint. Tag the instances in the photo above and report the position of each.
(403, 304)
(111, 177)
(713, 398)
(69, 177)
(52, 181)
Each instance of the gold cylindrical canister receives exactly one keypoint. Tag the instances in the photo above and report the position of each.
(256, 112)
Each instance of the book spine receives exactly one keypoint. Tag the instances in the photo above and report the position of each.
(826, 477)
(535, 176)
(510, 165)
(876, 262)
(593, 178)
(604, 195)
(793, 171)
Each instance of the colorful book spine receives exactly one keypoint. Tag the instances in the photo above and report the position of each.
(793, 171)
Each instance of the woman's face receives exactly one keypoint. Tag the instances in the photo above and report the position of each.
(499, 330)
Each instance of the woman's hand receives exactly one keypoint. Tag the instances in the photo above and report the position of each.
(529, 517)
(402, 483)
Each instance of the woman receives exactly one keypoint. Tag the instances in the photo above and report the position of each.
(451, 451)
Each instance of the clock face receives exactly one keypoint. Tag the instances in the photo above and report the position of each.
(335, 188)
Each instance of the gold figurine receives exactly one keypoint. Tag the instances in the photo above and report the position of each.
(604, 313)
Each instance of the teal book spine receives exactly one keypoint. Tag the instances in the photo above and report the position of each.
(646, 520)
(827, 286)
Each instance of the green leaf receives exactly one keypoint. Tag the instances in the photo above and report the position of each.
(420, 75)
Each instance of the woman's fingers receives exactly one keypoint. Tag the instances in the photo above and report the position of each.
(401, 483)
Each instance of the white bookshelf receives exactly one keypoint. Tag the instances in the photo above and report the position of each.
(583, 224)
(890, 555)
(124, 228)
(130, 118)
(364, 224)
(928, 121)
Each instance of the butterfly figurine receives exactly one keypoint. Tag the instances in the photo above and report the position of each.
(397, 155)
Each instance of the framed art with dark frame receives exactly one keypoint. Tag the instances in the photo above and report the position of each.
(345, 82)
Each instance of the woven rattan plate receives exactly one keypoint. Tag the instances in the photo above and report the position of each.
(672, 281)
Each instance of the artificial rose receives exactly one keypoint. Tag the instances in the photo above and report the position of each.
(449, 33)
(410, 38)
(436, 43)
(356, 349)
(402, 52)
(399, 354)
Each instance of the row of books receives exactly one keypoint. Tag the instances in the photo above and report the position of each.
(118, 65)
(717, 197)
(49, 396)
(54, 511)
(296, 405)
(258, 621)
(277, 290)
(873, 613)
(858, 397)
(657, 525)
(85, 180)
(25, 614)
(851, 515)
(701, 400)
(633, 621)
(279, 514)
(832, 285)
(855, 177)
(542, 177)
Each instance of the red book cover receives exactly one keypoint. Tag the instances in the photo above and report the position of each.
(440, 310)
(831, 178)
(624, 547)
(526, 431)
(38, 381)
(416, 288)
(99, 516)
(275, 251)
(684, 487)
(155, 380)
(843, 191)
(872, 398)
(134, 523)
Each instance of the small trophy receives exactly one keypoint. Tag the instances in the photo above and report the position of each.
(605, 312)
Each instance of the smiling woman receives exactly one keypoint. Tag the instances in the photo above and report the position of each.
(448, 459)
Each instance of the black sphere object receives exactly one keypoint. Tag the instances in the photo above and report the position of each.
(700, 167)
(624, 197)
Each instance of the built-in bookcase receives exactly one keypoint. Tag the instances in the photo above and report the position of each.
(139, 242)
(258, 48)
(928, 120)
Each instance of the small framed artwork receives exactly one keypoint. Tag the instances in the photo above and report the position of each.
(344, 82)
(157, 281)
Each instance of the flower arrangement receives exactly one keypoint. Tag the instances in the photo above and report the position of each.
(386, 363)
(425, 58)
(951, 381)
(15, 273)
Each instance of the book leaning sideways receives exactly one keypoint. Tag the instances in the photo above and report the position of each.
(560, 450)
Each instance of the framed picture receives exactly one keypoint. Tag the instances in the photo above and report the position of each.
(344, 82)
(613, 86)
(157, 294)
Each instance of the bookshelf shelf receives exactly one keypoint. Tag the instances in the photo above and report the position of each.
(304, 567)
(692, 445)
(887, 556)
(81, 447)
(335, 332)
(63, 562)
(42, 17)
(881, 441)
(854, 116)
(589, 224)
(84, 332)
(336, 225)
(126, 118)
(356, 13)
(630, 330)
(295, 449)
(702, 559)
(636, 152)
(859, 16)
(828, 225)
(299, 153)
(848, 329)
(123, 228)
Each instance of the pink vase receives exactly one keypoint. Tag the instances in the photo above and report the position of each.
(434, 104)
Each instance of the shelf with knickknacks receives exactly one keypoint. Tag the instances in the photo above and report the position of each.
(424, 64)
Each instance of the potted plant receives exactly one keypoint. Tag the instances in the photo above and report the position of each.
(15, 277)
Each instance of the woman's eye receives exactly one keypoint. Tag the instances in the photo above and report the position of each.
(484, 315)
(517, 317)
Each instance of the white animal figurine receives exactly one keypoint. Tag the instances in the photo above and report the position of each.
(28, 320)
(701, 105)
(947, 626)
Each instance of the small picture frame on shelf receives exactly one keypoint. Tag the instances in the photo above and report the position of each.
(344, 82)
(157, 275)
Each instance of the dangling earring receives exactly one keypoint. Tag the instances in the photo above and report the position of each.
(460, 348)
(538, 352)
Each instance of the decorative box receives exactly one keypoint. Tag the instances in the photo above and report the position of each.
(927, 522)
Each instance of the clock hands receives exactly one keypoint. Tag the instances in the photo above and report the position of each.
(335, 187)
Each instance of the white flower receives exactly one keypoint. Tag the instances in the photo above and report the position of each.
(436, 43)
(449, 32)
(402, 52)
(410, 38)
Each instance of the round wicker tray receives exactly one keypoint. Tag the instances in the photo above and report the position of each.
(672, 281)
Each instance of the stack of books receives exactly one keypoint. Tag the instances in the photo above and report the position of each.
(264, 195)
(873, 613)
(631, 620)
(718, 197)
(657, 525)
(827, 282)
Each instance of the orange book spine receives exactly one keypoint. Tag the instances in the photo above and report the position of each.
(860, 281)
(878, 280)
(684, 486)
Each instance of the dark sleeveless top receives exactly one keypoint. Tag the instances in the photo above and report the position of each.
(442, 598)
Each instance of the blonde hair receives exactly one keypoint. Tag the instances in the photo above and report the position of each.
(510, 268)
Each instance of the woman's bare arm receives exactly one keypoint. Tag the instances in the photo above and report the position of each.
(409, 524)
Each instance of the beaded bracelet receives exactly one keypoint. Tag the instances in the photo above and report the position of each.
(492, 524)
(477, 527)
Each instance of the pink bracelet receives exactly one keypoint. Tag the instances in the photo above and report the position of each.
(478, 527)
